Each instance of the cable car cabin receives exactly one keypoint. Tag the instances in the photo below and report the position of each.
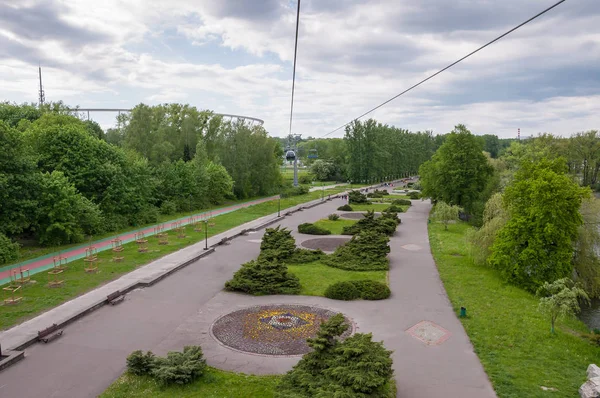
(312, 154)
(290, 155)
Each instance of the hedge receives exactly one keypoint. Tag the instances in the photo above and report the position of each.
(312, 229)
(351, 290)
(345, 208)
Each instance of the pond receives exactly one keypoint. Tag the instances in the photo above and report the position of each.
(590, 315)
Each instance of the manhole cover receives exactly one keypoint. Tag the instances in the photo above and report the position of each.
(412, 247)
(429, 333)
(272, 329)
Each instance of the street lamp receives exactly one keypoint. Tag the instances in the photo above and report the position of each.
(279, 206)
(206, 234)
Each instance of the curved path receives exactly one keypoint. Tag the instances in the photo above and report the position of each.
(179, 310)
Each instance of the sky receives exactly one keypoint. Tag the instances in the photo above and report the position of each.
(235, 56)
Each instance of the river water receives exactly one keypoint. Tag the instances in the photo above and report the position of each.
(590, 315)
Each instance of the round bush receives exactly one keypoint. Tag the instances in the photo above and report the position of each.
(345, 208)
(333, 217)
(372, 290)
(9, 250)
(312, 229)
(394, 209)
(401, 202)
(342, 291)
(414, 195)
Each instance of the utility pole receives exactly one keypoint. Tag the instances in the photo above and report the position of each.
(41, 93)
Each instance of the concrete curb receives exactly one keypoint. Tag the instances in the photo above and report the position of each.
(12, 358)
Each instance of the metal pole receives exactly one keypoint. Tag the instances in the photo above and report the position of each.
(279, 206)
(205, 234)
(322, 192)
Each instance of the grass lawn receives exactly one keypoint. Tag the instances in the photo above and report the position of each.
(213, 384)
(378, 207)
(316, 277)
(37, 297)
(511, 338)
(335, 226)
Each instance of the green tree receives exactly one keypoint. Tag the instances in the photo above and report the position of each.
(536, 244)
(482, 239)
(445, 213)
(586, 260)
(220, 184)
(560, 299)
(458, 172)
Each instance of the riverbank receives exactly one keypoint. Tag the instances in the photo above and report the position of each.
(511, 338)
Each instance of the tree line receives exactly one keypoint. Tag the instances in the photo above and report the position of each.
(537, 220)
(62, 178)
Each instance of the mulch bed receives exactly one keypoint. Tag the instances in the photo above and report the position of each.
(325, 244)
(271, 329)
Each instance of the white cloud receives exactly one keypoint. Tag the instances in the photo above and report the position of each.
(352, 56)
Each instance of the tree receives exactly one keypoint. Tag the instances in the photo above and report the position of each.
(585, 152)
(536, 243)
(586, 261)
(354, 367)
(220, 184)
(560, 299)
(445, 213)
(322, 170)
(458, 172)
(494, 218)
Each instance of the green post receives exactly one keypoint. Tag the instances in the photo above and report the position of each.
(463, 312)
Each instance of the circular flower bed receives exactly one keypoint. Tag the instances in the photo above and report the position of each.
(356, 216)
(325, 244)
(271, 329)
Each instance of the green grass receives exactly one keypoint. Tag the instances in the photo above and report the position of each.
(213, 384)
(316, 277)
(511, 338)
(37, 297)
(335, 226)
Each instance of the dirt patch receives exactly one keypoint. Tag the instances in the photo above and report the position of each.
(356, 216)
(325, 244)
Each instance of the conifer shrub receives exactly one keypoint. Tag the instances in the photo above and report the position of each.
(394, 209)
(401, 202)
(414, 195)
(354, 367)
(356, 197)
(139, 363)
(333, 217)
(345, 290)
(179, 367)
(366, 251)
(264, 276)
(279, 242)
(302, 256)
(381, 225)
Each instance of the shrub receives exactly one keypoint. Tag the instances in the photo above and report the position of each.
(295, 191)
(345, 208)
(139, 363)
(342, 291)
(391, 216)
(410, 184)
(372, 290)
(370, 223)
(375, 195)
(366, 251)
(9, 250)
(354, 367)
(414, 195)
(333, 217)
(179, 367)
(312, 229)
(168, 207)
(394, 209)
(357, 197)
(264, 276)
(306, 179)
(302, 256)
(279, 242)
(401, 202)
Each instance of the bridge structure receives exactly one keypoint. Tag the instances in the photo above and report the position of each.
(251, 120)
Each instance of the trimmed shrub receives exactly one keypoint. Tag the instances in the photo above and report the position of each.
(278, 243)
(414, 195)
(295, 191)
(401, 202)
(354, 367)
(391, 216)
(333, 217)
(9, 250)
(357, 197)
(139, 363)
(394, 209)
(179, 367)
(264, 276)
(372, 290)
(366, 251)
(302, 256)
(342, 291)
(345, 208)
(312, 229)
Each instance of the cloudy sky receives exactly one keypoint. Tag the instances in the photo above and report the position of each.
(235, 56)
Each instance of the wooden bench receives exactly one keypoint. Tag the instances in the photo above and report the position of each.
(50, 333)
(115, 298)
(225, 241)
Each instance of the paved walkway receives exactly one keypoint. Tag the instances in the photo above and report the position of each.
(177, 311)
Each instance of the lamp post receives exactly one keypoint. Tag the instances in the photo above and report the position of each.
(279, 206)
(322, 191)
(206, 234)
